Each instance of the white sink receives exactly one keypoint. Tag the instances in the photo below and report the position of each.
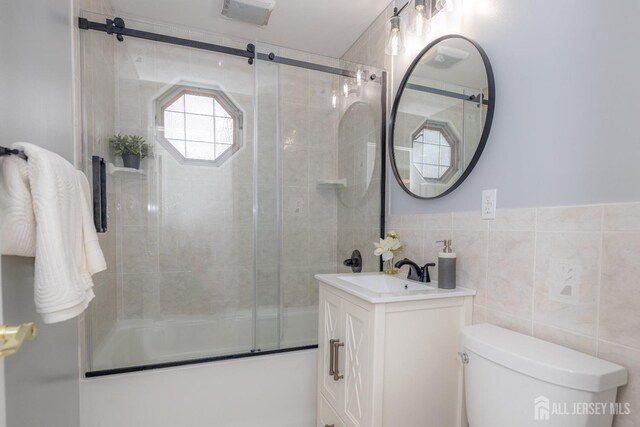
(385, 284)
(382, 288)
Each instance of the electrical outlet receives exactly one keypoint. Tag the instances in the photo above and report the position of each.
(489, 204)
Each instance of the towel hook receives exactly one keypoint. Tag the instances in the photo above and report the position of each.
(4, 151)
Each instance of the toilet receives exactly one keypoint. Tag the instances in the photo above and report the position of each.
(513, 379)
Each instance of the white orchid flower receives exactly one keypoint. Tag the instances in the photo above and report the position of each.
(387, 247)
(394, 244)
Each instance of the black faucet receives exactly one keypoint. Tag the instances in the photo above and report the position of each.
(420, 274)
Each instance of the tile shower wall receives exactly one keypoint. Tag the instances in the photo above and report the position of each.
(359, 204)
(308, 144)
(359, 164)
(568, 275)
(185, 232)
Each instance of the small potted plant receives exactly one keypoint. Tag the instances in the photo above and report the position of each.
(132, 148)
(387, 248)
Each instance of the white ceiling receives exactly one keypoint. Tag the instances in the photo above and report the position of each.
(324, 27)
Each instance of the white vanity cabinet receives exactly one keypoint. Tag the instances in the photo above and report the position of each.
(345, 344)
(390, 359)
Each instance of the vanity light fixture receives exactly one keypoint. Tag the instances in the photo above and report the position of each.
(420, 17)
(394, 37)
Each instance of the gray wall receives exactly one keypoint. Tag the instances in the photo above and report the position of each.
(37, 106)
(567, 89)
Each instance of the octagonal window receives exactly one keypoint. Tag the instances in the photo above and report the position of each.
(199, 125)
(434, 151)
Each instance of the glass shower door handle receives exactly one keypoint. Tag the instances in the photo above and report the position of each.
(12, 337)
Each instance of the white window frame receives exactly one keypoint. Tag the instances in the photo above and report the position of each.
(174, 93)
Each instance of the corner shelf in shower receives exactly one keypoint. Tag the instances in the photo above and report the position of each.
(332, 183)
(119, 170)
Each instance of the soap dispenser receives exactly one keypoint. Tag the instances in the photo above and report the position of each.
(446, 266)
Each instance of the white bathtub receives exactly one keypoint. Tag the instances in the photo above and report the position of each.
(268, 391)
(178, 338)
(276, 390)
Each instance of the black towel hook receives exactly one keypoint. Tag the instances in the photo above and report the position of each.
(4, 151)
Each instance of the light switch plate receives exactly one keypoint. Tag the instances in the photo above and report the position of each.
(489, 204)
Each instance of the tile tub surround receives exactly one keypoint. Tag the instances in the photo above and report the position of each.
(307, 149)
(160, 214)
(358, 223)
(513, 262)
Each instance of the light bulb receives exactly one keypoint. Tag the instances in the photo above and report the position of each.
(334, 100)
(359, 77)
(345, 89)
(395, 42)
(420, 17)
(418, 25)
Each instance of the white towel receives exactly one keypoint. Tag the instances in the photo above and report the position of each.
(66, 244)
(18, 226)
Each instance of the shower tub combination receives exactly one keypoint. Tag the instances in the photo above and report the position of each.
(264, 171)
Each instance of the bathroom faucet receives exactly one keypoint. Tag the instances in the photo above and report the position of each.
(420, 274)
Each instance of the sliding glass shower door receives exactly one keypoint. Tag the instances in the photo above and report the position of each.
(247, 190)
(318, 150)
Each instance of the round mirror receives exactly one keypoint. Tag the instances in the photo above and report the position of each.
(441, 117)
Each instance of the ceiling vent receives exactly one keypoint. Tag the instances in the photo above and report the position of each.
(446, 57)
(256, 12)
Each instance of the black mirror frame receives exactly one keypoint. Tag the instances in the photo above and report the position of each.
(485, 131)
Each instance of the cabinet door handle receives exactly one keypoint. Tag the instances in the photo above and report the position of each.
(329, 425)
(331, 358)
(335, 347)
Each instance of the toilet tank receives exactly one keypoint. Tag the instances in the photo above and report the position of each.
(513, 379)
